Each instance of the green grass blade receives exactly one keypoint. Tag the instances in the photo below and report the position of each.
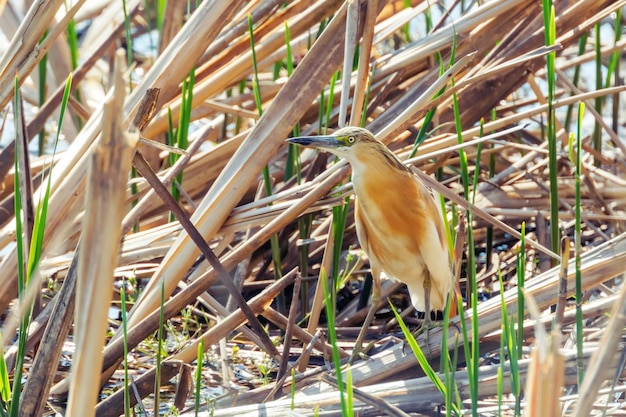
(332, 338)
(550, 39)
(293, 388)
(127, 383)
(521, 278)
(472, 351)
(500, 375)
(5, 388)
(350, 391)
(42, 207)
(267, 181)
(293, 165)
(339, 220)
(366, 99)
(42, 68)
(509, 342)
(72, 41)
(127, 33)
(21, 273)
(160, 14)
(30, 255)
(615, 56)
(578, 247)
(419, 355)
(198, 376)
(159, 353)
(329, 101)
(582, 43)
(255, 68)
(597, 133)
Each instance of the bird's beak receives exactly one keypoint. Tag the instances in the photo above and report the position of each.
(322, 142)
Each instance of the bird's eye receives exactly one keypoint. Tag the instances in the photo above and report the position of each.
(351, 139)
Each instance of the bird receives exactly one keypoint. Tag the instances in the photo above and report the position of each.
(398, 223)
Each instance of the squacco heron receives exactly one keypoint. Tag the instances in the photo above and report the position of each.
(398, 223)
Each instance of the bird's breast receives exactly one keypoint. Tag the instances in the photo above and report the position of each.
(401, 229)
(388, 213)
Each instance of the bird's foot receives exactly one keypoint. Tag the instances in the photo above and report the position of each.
(360, 352)
(424, 330)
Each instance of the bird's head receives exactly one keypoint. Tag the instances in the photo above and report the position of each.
(357, 145)
(346, 142)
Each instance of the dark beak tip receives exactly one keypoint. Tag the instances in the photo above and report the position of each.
(302, 141)
(314, 141)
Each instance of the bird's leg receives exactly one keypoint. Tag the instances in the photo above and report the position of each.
(426, 324)
(358, 345)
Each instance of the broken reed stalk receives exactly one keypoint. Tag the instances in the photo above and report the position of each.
(106, 193)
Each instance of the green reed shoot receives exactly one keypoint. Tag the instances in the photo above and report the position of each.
(179, 137)
(428, 118)
(510, 342)
(422, 360)
(160, 14)
(447, 365)
(492, 171)
(578, 246)
(72, 42)
(615, 56)
(550, 39)
(500, 372)
(267, 181)
(294, 167)
(471, 349)
(329, 300)
(27, 258)
(42, 72)
(127, 33)
(366, 99)
(198, 376)
(293, 388)
(597, 132)
(329, 102)
(127, 406)
(521, 281)
(159, 353)
(5, 386)
(582, 43)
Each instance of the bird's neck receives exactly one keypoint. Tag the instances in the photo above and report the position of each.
(377, 170)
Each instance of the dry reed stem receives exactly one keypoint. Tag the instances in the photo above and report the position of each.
(112, 406)
(409, 394)
(364, 63)
(546, 373)
(275, 124)
(241, 65)
(598, 265)
(350, 41)
(104, 211)
(56, 328)
(23, 44)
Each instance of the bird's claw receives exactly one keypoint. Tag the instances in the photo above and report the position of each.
(360, 352)
(425, 330)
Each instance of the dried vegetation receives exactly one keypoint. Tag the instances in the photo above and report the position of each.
(231, 233)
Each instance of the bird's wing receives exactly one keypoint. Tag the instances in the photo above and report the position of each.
(361, 231)
(435, 255)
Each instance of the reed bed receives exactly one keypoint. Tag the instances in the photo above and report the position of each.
(225, 251)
